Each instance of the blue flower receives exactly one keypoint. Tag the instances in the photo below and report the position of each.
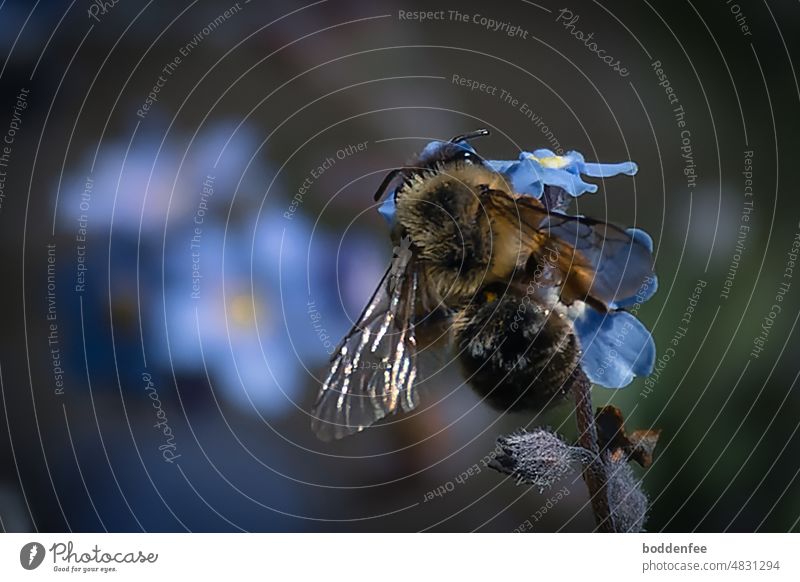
(615, 345)
(533, 171)
(153, 181)
(245, 312)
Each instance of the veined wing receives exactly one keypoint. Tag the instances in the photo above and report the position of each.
(372, 374)
(595, 260)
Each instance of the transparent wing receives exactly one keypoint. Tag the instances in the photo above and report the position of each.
(596, 260)
(609, 264)
(372, 374)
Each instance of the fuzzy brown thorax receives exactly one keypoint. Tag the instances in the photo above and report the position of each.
(450, 228)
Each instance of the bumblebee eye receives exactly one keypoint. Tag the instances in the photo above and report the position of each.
(469, 156)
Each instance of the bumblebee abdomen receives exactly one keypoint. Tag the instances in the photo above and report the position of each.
(516, 354)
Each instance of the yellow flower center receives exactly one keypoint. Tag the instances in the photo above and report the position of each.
(554, 162)
(242, 310)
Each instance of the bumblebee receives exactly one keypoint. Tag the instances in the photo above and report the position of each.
(503, 268)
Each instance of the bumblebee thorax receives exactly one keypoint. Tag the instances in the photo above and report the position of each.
(442, 213)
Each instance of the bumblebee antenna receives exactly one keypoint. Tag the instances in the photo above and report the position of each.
(386, 181)
(470, 135)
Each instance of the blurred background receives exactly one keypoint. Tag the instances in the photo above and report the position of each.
(187, 231)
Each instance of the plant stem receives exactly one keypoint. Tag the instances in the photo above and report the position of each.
(595, 474)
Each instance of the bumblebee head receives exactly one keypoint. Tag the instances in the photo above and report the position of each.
(436, 153)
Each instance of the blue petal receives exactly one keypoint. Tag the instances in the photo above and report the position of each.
(608, 170)
(500, 165)
(641, 237)
(570, 182)
(525, 179)
(388, 210)
(544, 153)
(646, 290)
(571, 162)
(649, 286)
(522, 174)
(616, 347)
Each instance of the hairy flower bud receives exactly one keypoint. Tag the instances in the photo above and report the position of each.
(539, 457)
(626, 499)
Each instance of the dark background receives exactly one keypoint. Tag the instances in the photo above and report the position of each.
(261, 101)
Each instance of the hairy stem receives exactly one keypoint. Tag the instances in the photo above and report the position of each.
(595, 474)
